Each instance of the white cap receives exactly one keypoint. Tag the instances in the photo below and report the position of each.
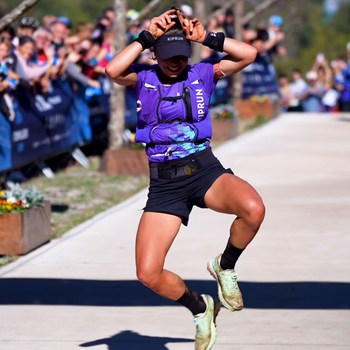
(312, 75)
(187, 10)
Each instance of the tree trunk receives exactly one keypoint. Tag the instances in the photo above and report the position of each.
(145, 12)
(199, 11)
(117, 117)
(16, 13)
(237, 78)
(257, 10)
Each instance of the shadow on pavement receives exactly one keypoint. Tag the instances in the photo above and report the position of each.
(129, 340)
(257, 295)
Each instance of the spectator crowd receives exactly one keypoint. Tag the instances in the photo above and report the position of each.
(325, 89)
(37, 52)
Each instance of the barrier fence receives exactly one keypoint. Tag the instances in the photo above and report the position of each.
(48, 124)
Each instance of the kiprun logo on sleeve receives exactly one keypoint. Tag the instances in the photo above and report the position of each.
(200, 103)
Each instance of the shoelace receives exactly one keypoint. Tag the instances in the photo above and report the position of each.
(230, 281)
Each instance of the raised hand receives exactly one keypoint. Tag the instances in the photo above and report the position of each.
(193, 28)
(159, 25)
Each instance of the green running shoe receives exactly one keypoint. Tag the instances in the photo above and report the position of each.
(205, 324)
(229, 294)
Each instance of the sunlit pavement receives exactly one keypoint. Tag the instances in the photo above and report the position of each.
(81, 291)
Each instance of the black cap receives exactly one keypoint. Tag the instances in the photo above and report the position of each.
(173, 45)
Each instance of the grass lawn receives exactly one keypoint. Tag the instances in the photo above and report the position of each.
(77, 194)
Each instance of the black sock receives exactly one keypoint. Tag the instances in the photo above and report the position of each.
(193, 301)
(230, 256)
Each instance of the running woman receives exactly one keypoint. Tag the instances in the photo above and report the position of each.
(174, 122)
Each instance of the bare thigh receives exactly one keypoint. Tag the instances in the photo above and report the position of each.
(155, 236)
(231, 195)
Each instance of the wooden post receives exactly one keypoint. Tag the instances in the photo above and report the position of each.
(237, 78)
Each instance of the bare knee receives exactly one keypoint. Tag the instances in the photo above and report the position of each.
(255, 213)
(148, 275)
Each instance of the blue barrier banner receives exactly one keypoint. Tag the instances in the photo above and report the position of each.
(44, 123)
(222, 91)
(5, 143)
(259, 79)
(99, 108)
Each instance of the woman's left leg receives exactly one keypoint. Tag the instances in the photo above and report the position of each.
(231, 195)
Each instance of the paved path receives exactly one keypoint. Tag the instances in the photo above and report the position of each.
(81, 291)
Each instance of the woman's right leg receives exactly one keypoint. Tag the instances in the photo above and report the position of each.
(155, 236)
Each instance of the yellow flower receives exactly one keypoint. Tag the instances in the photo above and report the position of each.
(2, 193)
(9, 207)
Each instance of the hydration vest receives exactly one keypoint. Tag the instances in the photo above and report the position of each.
(178, 113)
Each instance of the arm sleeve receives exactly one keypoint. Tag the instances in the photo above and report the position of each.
(206, 72)
(20, 71)
(34, 71)
(73, 73)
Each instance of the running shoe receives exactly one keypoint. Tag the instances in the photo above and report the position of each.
(229, 294)
(205, 324)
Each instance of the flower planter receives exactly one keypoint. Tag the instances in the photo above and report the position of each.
(248, 109)
(22, 232)
(124, 161)
(224, 129)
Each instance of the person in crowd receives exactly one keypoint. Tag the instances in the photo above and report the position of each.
(134, 30)
(338, 65)
(8, 80)
(330, 99)
(275, 36)
(60, 35)
(105, 54)
(229, 24)
(110, 14)
(24, 54)
(74, 63)
(248, 34)
(47, 21)
(183, 170)
(260, 82)
(90, 62)
(207, 53)
(298, 86)
(312, 95)
(103, 25)
(10, 34)
(323, 70)
(187, 11)
(220, 18)
(27, 26)
(344, 86)
(42, 38)
(67, 22)
(285, 92)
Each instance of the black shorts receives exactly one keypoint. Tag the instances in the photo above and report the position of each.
(177, 185)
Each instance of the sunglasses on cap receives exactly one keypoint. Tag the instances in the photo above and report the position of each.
(29, 22)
